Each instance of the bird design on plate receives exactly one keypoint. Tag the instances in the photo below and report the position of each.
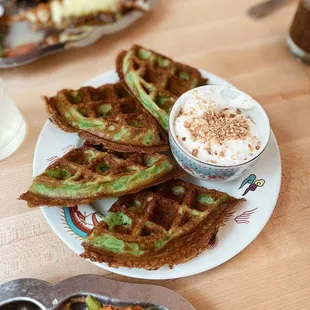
(252, 182)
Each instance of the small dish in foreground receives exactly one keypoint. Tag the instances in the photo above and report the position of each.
(29, 294)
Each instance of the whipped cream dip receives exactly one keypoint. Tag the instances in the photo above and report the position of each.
(216, 128)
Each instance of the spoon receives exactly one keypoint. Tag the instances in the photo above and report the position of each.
(262, 9)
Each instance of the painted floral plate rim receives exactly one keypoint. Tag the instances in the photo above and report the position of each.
(260, 187)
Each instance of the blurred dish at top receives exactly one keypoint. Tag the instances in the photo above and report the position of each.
(32, 29)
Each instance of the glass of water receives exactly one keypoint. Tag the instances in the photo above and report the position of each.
(12, 125)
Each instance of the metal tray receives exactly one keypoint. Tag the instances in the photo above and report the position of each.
(78, 37)
(34, 294)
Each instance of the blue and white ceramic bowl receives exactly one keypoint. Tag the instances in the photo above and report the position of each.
(216, 172)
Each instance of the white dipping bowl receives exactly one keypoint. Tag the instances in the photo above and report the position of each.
(218, 172)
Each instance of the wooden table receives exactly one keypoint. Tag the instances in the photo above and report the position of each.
(273, 272)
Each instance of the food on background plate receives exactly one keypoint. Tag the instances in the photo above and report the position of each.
(93, 304)
(217, 131)
(148, 229)
(156, 80)
(107, 115)
(64, 13)
(32, 29)
(92, 172)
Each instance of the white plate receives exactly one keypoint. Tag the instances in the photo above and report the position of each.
(239, 230)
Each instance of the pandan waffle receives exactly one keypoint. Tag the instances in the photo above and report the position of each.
(107, 115)
(156, 80)
(90, 173)
(166, 225)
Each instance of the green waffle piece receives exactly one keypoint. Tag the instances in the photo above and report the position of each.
(156, 80)
(90, 173)
(166, 225)
(107, 115)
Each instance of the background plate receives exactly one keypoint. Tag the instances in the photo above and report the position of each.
(241, 226)
(88, 34)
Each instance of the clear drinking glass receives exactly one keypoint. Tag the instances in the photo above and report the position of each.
(12, 125)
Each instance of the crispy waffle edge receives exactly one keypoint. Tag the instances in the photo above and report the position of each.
(35, 200)
(187, 251)
(114, 146)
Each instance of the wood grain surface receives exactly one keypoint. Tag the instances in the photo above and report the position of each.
(216, 35)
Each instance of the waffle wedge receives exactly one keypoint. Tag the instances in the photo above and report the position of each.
(166, 225)
(90, 173)
(107, 115)
(156, 80)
